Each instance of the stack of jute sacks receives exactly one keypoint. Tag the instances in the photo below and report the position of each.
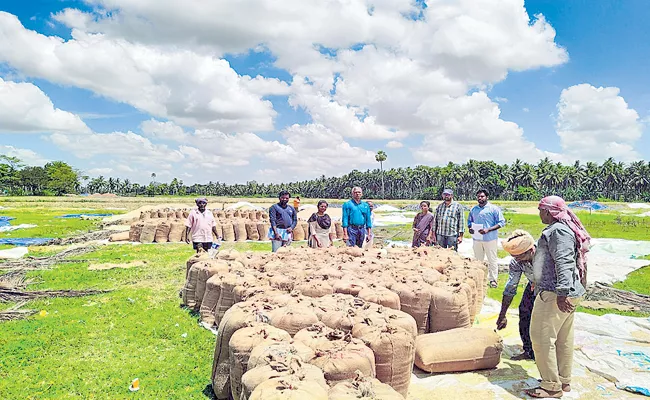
(167, 225)
(330, 323)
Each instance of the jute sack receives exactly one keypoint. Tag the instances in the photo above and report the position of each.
(383, 316)
(265, 216)
(240, 231)
(258, 215)
(298, 233)
(200, 256)
(394, 350)
(342, 359)
(153, 214)
(221, 214)
(456, 350)
(188, 292)
(448, 310)
(210, 299)
(176, 231)
(179, 214)
(380, 295)
(263, 230)
(289, 388)
(415, 299)
(236, 214)
(228, 232)
(120, 236)
(251, 215)
(277, 369)
(305, 228)
(241, 344)
(144, 215)
(348, 285)
(135, 232)
(315, 288)
(162, 232)
(342, 319)
(362, 388)
(292, 319)
(186, 213)
(339, 230)
(238, 316)
(148, 232)
(265, 353)
(205, 272)
(162, 214)
(314, 336)
(251, 231)
(226, 296)
(171, 214)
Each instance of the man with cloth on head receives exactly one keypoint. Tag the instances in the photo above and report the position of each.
(521, 246)
(200, 226)
(560, 276)
(283, 221)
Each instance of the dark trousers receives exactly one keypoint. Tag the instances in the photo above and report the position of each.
(447, 242)
(525, 311)
(356, 235)
(201, 245)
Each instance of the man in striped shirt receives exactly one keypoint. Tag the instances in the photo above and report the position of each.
(449, 223)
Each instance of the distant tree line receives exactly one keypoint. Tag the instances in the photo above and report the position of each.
(518, 181)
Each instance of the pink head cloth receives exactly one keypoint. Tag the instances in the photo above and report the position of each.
(559, 210)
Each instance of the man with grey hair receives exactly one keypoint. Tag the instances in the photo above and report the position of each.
(356, 220)
(200, 226)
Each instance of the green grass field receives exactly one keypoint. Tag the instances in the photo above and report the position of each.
(94, 346)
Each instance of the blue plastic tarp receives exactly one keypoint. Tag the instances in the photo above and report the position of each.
(85, 215)
(4, 221)
(588, 205)
(25, 241)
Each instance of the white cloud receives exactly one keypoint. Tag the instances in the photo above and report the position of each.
(596, 123)
(25, 108)
(189, 88)
(470, 127)
(27, 156)
(525, 109)
(410, 78)
(99, 171)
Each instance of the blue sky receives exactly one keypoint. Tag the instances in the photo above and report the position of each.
(603, 39)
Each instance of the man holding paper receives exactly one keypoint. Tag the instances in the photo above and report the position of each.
(485, 219)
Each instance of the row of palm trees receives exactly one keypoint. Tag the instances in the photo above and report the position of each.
(518, 181)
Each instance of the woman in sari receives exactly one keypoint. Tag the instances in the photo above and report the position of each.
(321, 229)
(422, 225)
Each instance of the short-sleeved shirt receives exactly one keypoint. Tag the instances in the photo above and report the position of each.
(488, 216)
(200, 224)
(514, 276)
(356, 214)
(449, 219)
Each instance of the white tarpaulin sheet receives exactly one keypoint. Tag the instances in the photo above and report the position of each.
(609, 260)
(243, 205)
(10, 228)
(616, 348)
(14, 253)
(511, 378)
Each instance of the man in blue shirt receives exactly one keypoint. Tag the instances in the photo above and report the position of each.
(283, 220)
(490, 218)
(356, 220)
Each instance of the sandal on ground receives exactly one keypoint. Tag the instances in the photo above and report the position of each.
(566, 387)
(522, 356)
(540, 393)
(494, 284)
